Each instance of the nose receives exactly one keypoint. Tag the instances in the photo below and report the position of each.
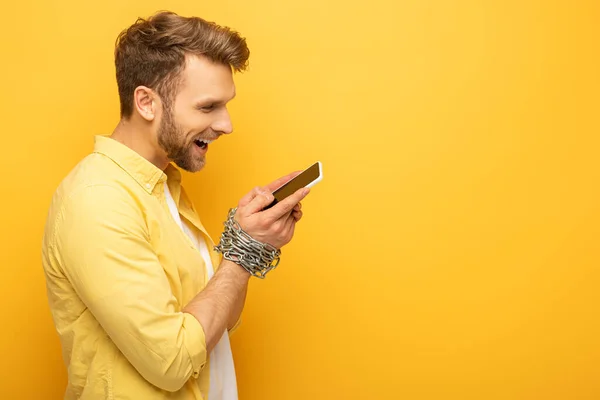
(223, 122)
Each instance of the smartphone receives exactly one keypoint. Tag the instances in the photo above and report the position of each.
(307, 178)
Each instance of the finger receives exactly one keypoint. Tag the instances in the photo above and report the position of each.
(290, 226)
(286, 205)
(281, 181)
(297, 215)
(252, 194)
(297, 207)
(259, 202)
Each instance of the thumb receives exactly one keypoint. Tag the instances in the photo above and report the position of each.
(259, 202)
(252, 194)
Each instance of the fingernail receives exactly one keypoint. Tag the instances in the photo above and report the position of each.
(305, 192)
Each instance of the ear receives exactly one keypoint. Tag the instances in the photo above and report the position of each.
(145, 102)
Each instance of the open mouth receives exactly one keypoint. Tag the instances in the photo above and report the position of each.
(202, 143)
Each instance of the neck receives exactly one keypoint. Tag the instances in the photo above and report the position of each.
(138, 137)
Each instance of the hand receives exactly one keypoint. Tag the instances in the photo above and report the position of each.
(276, 225)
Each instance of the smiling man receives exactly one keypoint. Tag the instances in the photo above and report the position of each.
(142, 304)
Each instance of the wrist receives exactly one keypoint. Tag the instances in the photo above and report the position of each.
(236, 270)
(239, 247)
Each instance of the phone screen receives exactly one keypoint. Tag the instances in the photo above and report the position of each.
(303, 179)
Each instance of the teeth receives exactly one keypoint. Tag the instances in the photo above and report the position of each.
(205, 141)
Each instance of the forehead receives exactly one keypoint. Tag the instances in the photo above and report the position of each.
(204, 78)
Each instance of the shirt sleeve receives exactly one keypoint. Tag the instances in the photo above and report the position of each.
(102, 241)
(235, 327)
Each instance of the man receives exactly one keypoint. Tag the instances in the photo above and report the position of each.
(130, 270)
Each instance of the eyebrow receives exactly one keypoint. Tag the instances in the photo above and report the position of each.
(213, 100)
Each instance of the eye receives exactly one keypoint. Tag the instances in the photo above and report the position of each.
(208, 107)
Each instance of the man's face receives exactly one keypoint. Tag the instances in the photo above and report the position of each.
(197, 114)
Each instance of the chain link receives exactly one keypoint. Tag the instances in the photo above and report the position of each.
(238, 246)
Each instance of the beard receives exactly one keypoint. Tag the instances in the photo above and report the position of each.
(172, 139)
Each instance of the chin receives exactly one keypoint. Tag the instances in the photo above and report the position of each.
(191, 165)
(198, 168)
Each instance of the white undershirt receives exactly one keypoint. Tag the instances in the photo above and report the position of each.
(223, 384)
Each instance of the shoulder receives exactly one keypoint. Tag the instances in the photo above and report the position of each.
(92, 192)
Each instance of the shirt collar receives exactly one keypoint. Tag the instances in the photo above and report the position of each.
(140, 169)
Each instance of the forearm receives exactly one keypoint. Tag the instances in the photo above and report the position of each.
(220, 302)
(238, 308)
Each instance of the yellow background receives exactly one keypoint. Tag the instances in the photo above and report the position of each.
(451, 251)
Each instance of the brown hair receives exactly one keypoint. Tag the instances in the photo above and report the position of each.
(152, 53)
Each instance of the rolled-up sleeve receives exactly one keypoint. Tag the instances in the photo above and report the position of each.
(104, 248)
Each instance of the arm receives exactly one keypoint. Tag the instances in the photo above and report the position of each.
(241, 300)
(105, 252)
(102, 242)
(219, 305)
(237, 311)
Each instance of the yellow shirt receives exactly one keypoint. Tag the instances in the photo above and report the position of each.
(119, 270)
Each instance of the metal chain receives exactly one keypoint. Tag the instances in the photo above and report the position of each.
(238, 246)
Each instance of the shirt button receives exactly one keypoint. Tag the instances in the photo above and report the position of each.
(148, 186)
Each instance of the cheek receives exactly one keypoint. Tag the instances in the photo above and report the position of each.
(197, 120)
(195, 124)
(190, 121)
